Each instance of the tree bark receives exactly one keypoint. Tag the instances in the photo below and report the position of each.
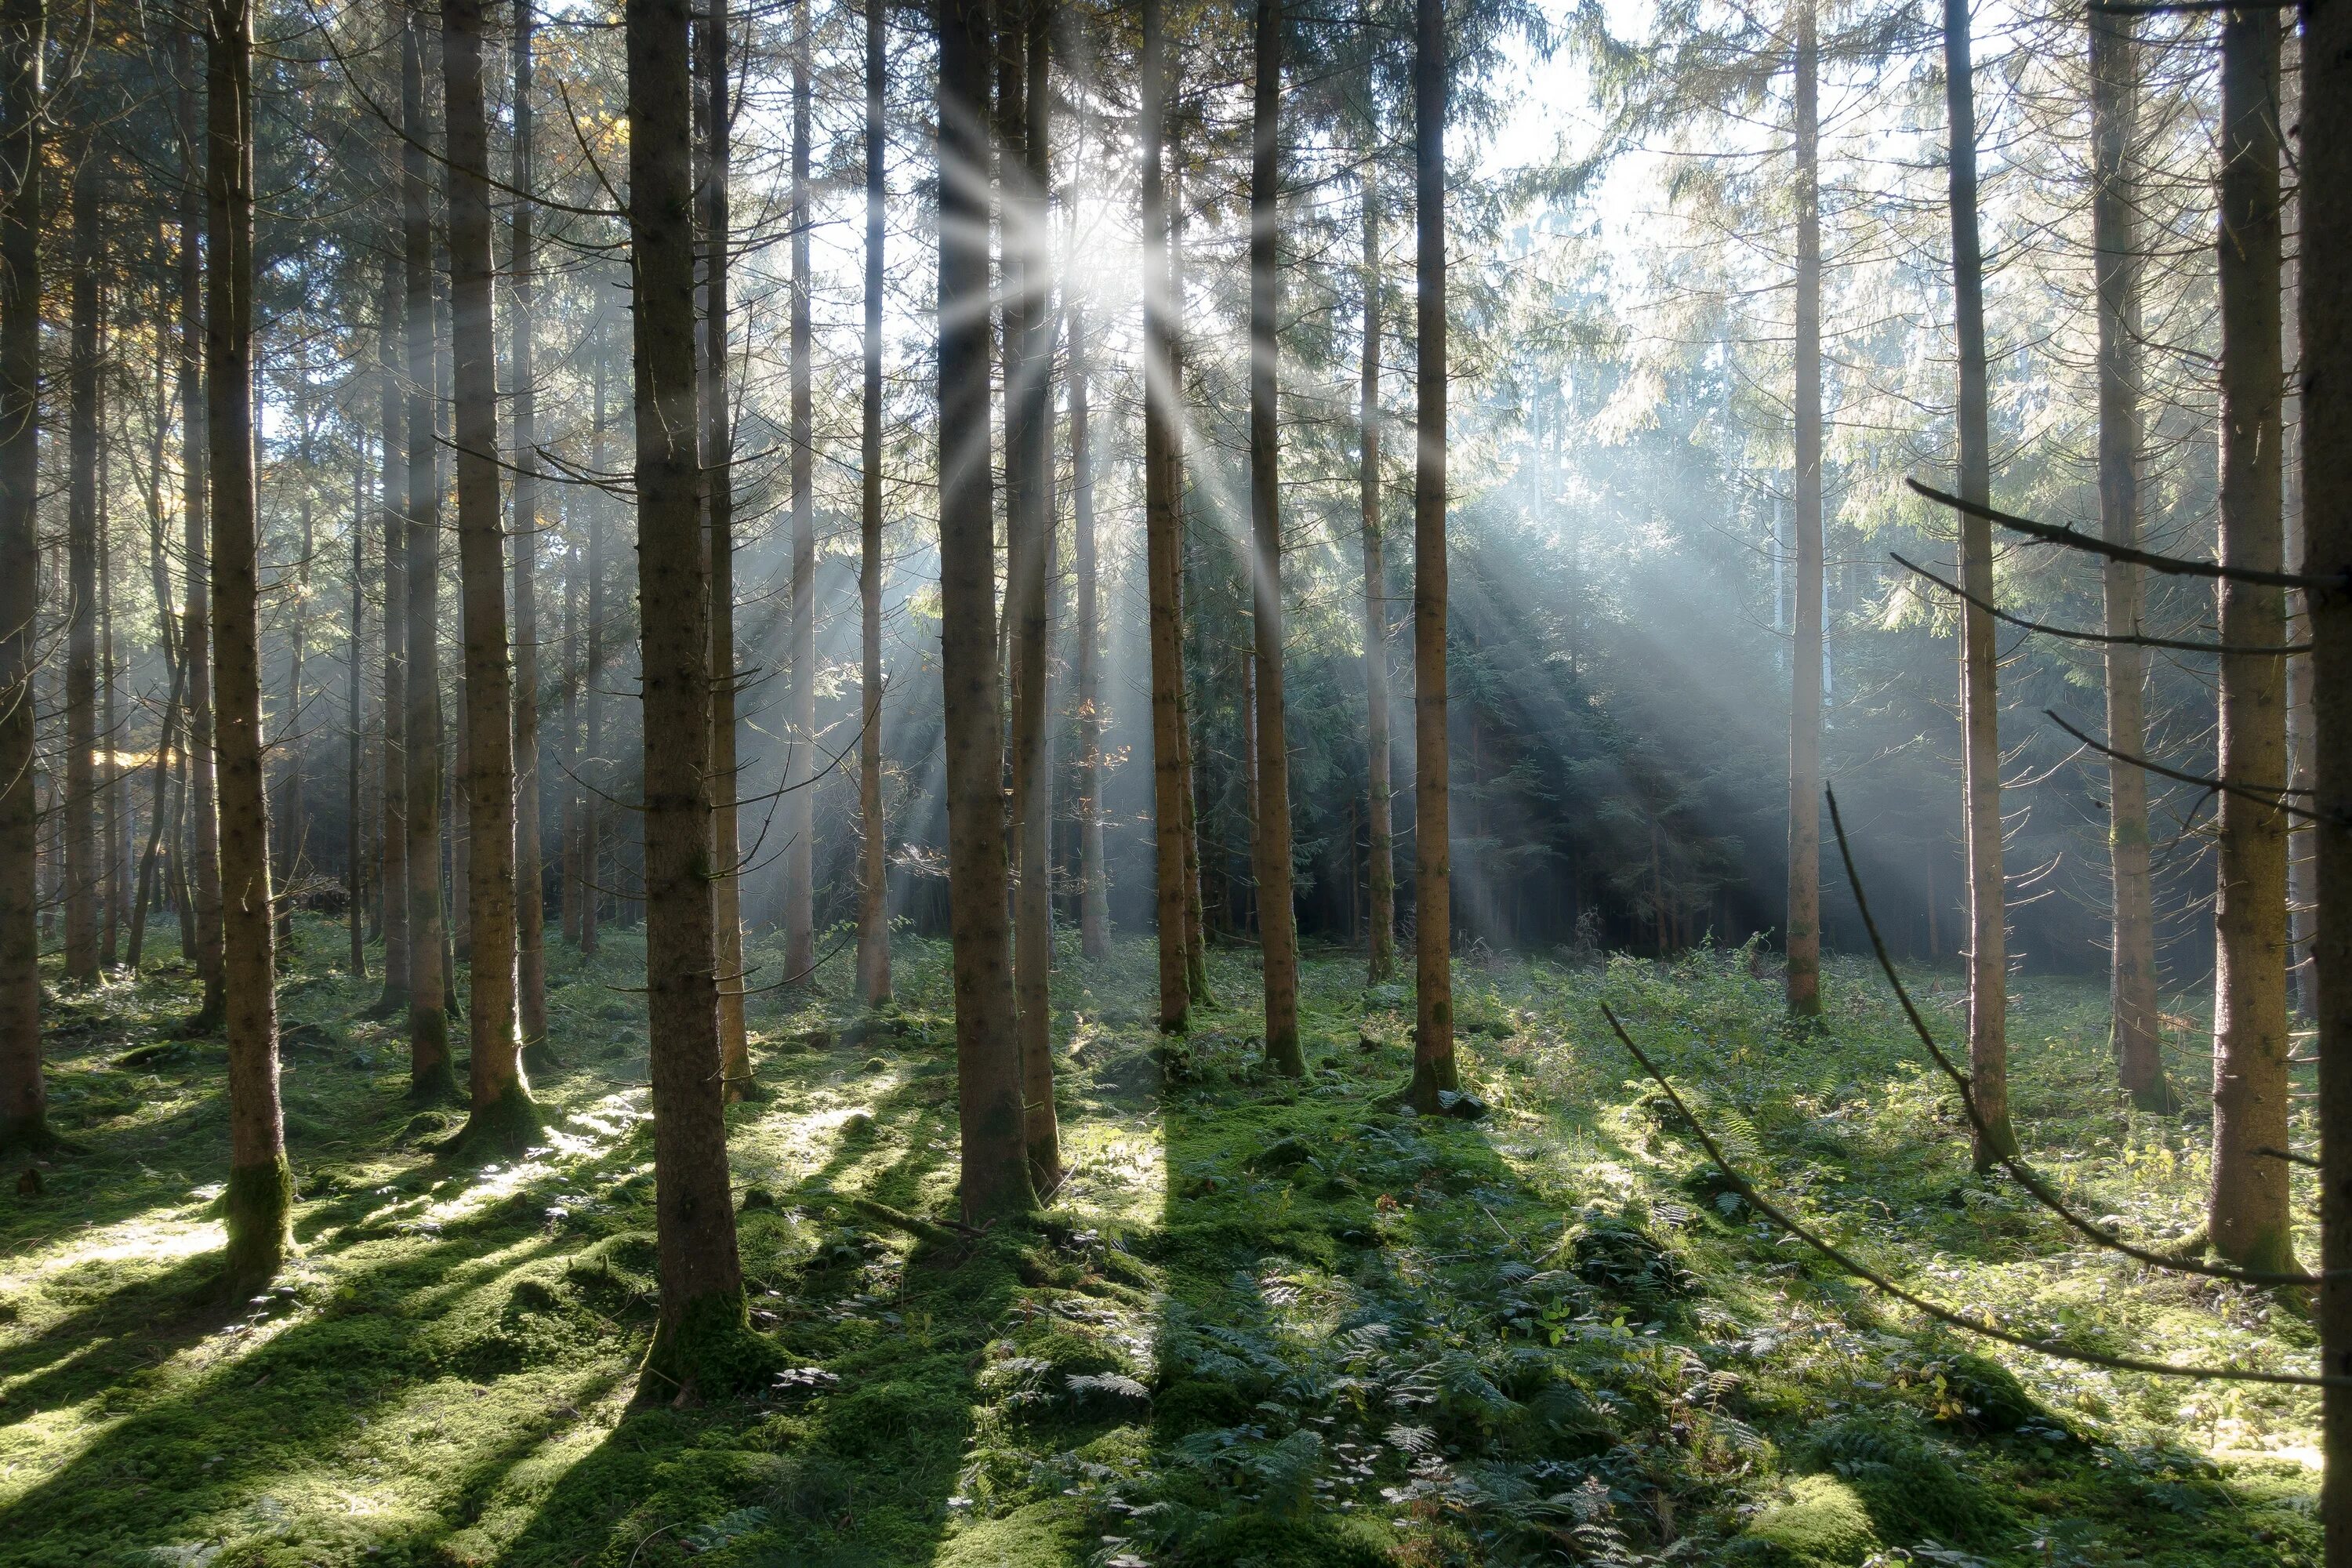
(800, 745)
(23, 1092)
(260, 1197)
(572, 872)
(873, 859)
(1277, 928)
(1094, 886)
(203, 838)
(2115, 96)
(1196, 930)
(394, 888)
(2326, 253)
(703, 1315)
(81, 856)
(1433, 1070)
(1979, 709)
(2248, 1213)
(501, 1096)
(431, 1074)
(994, 1171)
(530, 874)
(1804, 930)
(113, 795)
(355, 730)
(289, 834)
(1163, 531)
(1380, 795)
(595, 775)
(719, 503)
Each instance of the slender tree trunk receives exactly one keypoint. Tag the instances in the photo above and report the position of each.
(290, 834)
(2248, 1213)
(1094, 884)
(1979, 710)
(595, 775)
(702, 1306)
(1277, 929)
(1380, 945)
(166, 734)
(356, 732)
(2115, 93)
(260, 1197)
(571, 872)
(2325, 252)
(529, 875)
(1029, 415)
(800, 745)
(1804, 929)
(203, 840)
(873, 861)
(501, 1096)
(394, 883)
(1433, 1070)
(1163, 530)
(1196, 930)
(994, 1167)
(80, 827)
(431, 1074)
(113, 797)
(718, 500)
(23, 1092)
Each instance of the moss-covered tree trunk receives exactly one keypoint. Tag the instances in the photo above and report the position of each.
(994, 1166)
(431, 1074)
(873, 854)
(1277, 922)
(1980, 705)
(23, 1092)
(1433, 1070)
(2248, 1213)
(260, 1185)
(696, 1339)
(2132, 974)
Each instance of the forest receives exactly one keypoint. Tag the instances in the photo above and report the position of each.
(1142, 783)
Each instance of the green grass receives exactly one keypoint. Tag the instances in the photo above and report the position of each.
(1264, 1323)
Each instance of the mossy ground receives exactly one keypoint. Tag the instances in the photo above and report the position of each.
(1267, 1323)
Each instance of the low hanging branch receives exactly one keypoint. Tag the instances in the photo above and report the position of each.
(2273, 798)
(2025, 1176)
(2075, 539)
(1942, 1314)
(2072, 634)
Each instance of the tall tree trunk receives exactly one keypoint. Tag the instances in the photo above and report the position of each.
(719, 501)
(1029, 415)
(355, 730)
(2248, 1212)
(1094, 884)
(873, 859)
(530, 876)
(800, 718)
(1380, 944)
(81, 843)
(1979, 709)
(1433, 1070)
(431, 1076)
(260, 1197)
(571, 872)
(290, 834)
(394, 883)
(1804, 928)
(24, 1093)
(1196, 930)
(113, 795)
(1277, 928)
(1162, 530)
(2115, 96)
(500, 1097)
(203, 838)
(595, 775)
(702, 1306)
(995, 1168)
(2325, 252)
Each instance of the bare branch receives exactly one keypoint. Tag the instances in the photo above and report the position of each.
(2075, 539)
(1989, 607)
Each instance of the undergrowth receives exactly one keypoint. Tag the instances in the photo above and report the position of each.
(1266, 1323)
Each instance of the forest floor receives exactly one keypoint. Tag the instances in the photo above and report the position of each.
(1264, 1323)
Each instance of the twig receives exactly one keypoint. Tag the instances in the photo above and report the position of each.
(2075, 539)
(1862, 1271)
(2024, 1174)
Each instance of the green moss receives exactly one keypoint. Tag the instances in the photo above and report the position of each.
(1265, 1541)
(706, 1350)
(1822, 1524)
(258, 1208)
(1038, 1536)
